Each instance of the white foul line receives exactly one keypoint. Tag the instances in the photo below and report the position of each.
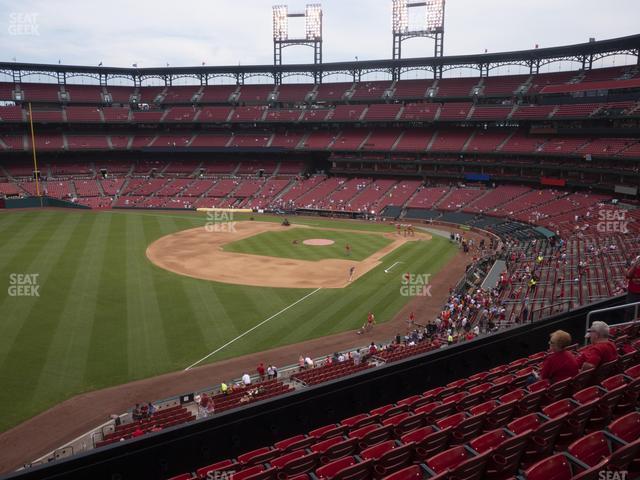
(250, 330)
(389, 269)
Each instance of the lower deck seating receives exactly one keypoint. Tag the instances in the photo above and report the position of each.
(494, 424)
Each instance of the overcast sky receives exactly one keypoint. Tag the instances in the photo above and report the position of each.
(228, 32)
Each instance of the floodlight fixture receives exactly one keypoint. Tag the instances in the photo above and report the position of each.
(280, 22)
(312, 30)
(313, 21)
(400, 16)
(435, 15)
(429, 25)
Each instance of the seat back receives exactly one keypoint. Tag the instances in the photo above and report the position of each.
(605, 370)
(303, 464)
(449, 459)
(341, 449)
(248, 472)
(469, 428)
(556, 467)
(581, 380)
(414, 472)
(359, 471)
(376, 436)
(500, 416)
(268, 474)
(393, 460)
(489, 441)
(545, 436)
(258, 456)
(471, 469)
(408, 424)
(591, 449)
(622, 457)
(627, 428)
(430, 444)
(557, 391)
(505, 459)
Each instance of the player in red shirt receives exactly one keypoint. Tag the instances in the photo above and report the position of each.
(560, 363)
(371, 321)
(601, 350)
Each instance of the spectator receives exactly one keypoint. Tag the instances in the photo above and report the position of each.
(356, 357)
(275, 371)
(560, 363)
(246, 379)
(151, 409)
(601, 350)
(633, 287)
(270, 372)
(261, 371)
(372, 349)
(308, 362)
(301, 362)
(136, 415)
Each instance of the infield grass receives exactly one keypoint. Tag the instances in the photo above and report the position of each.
(289, 244)
(105, 315)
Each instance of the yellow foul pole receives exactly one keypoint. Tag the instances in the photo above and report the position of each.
(35, 160)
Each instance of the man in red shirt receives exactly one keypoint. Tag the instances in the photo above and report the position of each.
(560, 363)
(633, 287)
(261, 371)
(601, 350)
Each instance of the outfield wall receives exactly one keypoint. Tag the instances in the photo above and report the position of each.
(173, 451)
(38, 202)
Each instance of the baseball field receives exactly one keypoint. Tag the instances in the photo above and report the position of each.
(95, 299)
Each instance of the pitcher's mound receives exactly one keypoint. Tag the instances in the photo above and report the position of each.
(318, 241)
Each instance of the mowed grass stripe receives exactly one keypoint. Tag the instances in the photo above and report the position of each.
(108, 359)
(69, 347)
(25, 362)
(176, 312)
(26, 259)
(145, 337)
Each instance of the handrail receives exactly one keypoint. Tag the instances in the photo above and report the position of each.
(610, 309)
(567, 300)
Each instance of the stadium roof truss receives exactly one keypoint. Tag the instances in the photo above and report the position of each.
(584, 53)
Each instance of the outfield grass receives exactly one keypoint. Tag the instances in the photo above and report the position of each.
(105, 315)
(289, 244)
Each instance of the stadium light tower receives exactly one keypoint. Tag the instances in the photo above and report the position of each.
(431, 25)
(312, 27)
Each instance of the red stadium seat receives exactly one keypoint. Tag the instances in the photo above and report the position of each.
(427, 441)
(248, 472)
(224, 465)
(463, 427)
(460, 463)
(627, 428)
(294, 443)
(328, 431)
(504, 450)
(347, 468)
(559, 467)
(334, 448)
(260, 455)
(544, 433)
(597, 447)
(295, 463)
(388, 457)
(576, 418)
(414, 472)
